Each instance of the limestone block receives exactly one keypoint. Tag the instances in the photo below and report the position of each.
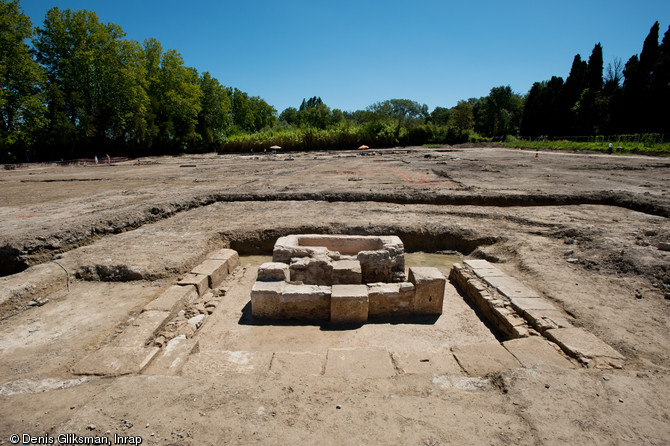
(265, 299)
(359, 363)
(543, 320)
(173, 299)
(273, 271)
(200, 281)
(477, 263)
(230, 256)
(347, 272)
(510, 287)
(585, 346)
(389, 299)
(115, 361)
(140, 330)
(349, 304)
(216, 270)
(427, 363)
(281, 300)
(429, 283)
(312, 270)
(297, 363)
(376, 266)
(172, 357)
(484, 359)
(536, 352)
(221, 362)
(523, 304)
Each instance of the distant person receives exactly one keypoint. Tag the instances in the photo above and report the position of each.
(96, 159)
(609, 148)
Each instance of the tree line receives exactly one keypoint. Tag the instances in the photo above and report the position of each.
(630, 98)
(76, 87)
(81, 88)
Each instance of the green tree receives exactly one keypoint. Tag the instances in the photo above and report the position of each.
(21, 109)
(402, 112)
(215, 116)
(440, 115)
(95, 88)
(175, 100)
(502, 111)
(462, 117)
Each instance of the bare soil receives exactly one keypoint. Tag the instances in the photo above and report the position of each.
(83, 248)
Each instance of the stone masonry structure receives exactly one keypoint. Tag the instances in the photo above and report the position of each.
(343, 278)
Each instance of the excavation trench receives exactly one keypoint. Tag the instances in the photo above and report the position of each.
(41, 245)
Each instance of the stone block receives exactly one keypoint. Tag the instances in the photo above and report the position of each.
(230, 256)
(523, 304)
(281, 300)
(536, 352)
(427, 363)
(216, 270)
(543, 320)
(114, 361)
(376, 266)
(429, 286)
(349, 304)
(478, 263)
(173, 299)
(141, 329)
(586, 347)
(484, 359)
(298, 363)
(273, 271)
(200, 281)
(171, 359)
(347, 272)
(312, 271)
(221, 362)
(510, 287)
(359, 363)
(390, 299)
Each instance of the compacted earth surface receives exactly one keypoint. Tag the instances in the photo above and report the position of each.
(84, 249)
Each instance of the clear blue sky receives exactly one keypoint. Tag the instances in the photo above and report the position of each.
(354, 53)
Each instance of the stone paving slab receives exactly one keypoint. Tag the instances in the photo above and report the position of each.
(216, 270)
(585, 346)
(427, 363)
(510, 287)
(115, 361)
(173, 299)
(220, 362)
(298, 363)
(523, 304)
(488, 272)
(172, 357)
(230, 256)
(478, 263)
(200, 281)
(543, 320)
(535, 352)
(484, 359)
(359, 363)
(141, 329)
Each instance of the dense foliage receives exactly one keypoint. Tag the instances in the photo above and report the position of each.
(84, 89)
(589, 102)
(76, 87)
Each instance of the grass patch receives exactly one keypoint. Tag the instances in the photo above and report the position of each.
(599, 145)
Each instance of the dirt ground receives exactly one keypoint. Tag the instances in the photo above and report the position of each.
(84, 248)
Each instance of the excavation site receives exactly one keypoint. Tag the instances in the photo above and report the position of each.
(416, 296)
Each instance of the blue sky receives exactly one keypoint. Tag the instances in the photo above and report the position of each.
(355, 53)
